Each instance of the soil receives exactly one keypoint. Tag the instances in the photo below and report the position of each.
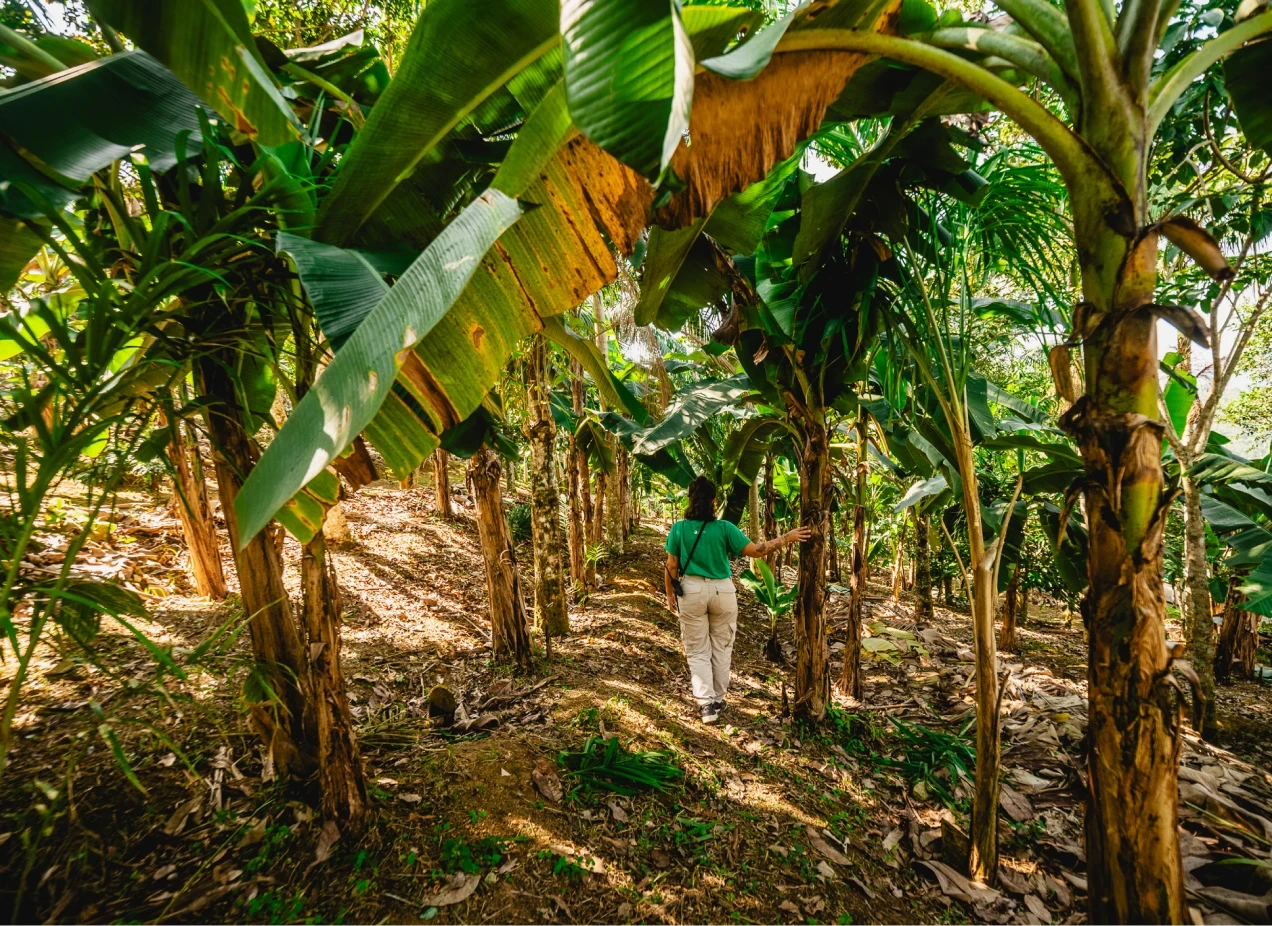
(133, 795)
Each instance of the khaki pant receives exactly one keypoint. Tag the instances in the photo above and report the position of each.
(708, 625)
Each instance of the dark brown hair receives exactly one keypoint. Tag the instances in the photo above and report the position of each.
(702, 496)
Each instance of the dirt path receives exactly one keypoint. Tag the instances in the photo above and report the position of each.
(770, 823)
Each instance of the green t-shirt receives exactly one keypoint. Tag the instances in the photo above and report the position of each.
(721, 540)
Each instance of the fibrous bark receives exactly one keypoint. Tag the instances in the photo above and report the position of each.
(812, 657)
(441, 484)
(898, 562)
(284, 724)
(195, 512)
(510, 631)
(344, 792)
(1239, 636)
(770, 515)
(1133, 858)
(1011, 601)
(545, 523)
(1199, 622)
(923, 570)
(850, 680)
(614, 505)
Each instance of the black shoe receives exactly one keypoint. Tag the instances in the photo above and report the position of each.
(711, 712)
(720, 705)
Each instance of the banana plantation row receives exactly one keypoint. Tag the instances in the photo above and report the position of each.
(891, 274)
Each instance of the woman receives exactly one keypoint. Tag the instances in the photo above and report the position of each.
(708, 605)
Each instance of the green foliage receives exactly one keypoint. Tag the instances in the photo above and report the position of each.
(519, 516)
(606, 765)
(939, 760)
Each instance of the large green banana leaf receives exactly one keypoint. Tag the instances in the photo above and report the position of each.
(354, 387)
(209, 45)
(629, 77)
(665, 299)
(1245, 74)
(345, 285)
(690, 410)
(82, 119)
(460, 53)
(745, 447)
(76, 123)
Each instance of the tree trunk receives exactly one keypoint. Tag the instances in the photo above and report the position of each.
(982, 863)
(1199, 623)
(832, 550)
(1011, 601)
(195, 512)
(441, 484)
(770, 514)
(510, 633)
(1239, 636)
(550, 613)
(624, 489)
(923, 570)
(344, 791)
(898, 562)
(614, 505)
(577, 530)
(850, 680)
(598, 507)
(812, 658)
(283, 724)
(753, 509)
(1135, 872)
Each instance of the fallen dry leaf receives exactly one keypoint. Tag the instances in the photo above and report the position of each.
(176, 823)
(458, 889)
(326, 839)
(958, 886)
(618, 813)
(547, 781)
(1038, 908)
(825, 848)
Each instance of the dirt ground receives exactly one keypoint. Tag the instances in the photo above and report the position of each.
(769, 822)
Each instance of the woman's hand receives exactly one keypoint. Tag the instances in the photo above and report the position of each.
(799, 534)
(671, 604)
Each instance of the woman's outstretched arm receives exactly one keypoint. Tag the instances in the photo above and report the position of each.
(756, 549)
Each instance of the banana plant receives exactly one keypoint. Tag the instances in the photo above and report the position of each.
(777, 599)
(1105, 62)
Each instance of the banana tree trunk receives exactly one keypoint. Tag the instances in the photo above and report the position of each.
(195, 512)
(753, 508)
(832, 551)
(341, 782)
(812, 657)
(1135, 872)
(286, 726)
(1011, 601)
(441, 484)
(510, 632)
(577, 534)
(614, 505)
(770, 514)
(1199, 624)
(549, 580)
(628, 520)
(850, 680)
(898, 562)
(597, 533)
(923, 570)
(1239, 636)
